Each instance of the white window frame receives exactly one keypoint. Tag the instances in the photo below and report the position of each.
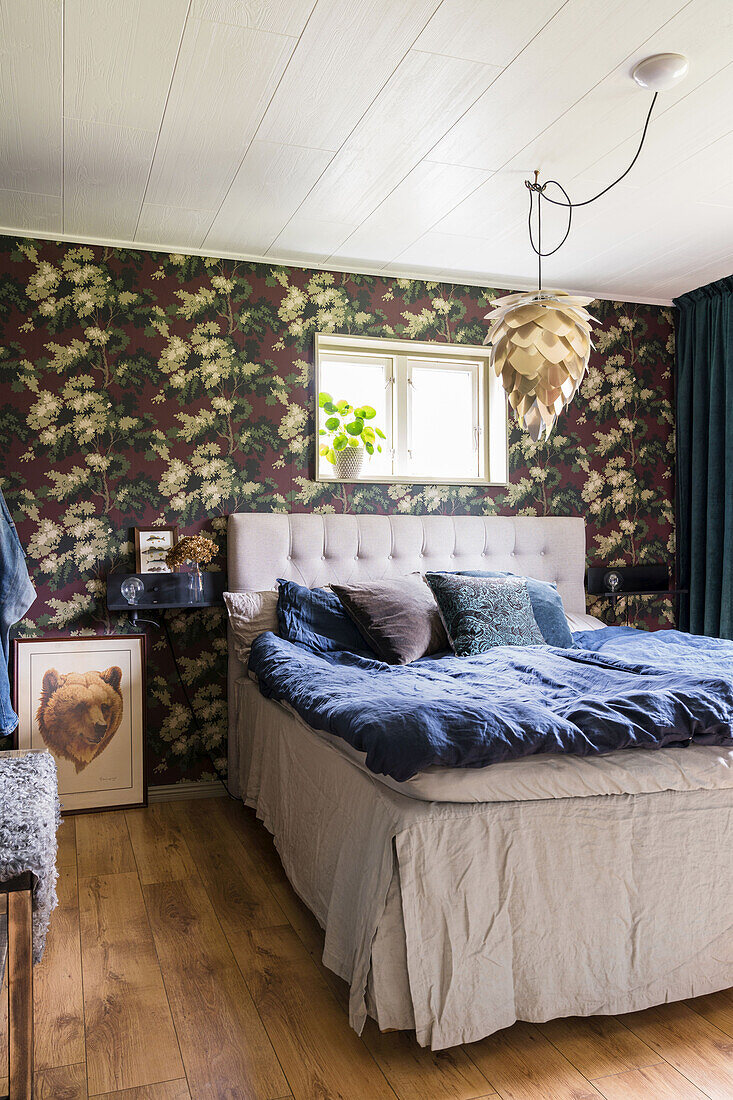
(490, 403)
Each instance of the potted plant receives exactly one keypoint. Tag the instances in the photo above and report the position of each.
(348, 435)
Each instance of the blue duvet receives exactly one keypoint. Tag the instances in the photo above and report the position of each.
(621, 688)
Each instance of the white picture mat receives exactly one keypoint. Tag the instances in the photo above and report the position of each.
(116, 776)
(154, 544)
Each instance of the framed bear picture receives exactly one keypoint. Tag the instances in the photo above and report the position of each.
(83, 699)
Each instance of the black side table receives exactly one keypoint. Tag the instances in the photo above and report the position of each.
(662, 594)
(163, 592)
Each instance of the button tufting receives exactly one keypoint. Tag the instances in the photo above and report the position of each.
(389, 557)
(513, 554)
(323, 557)
(290, 557)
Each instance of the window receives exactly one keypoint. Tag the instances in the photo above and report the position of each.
(442, 414)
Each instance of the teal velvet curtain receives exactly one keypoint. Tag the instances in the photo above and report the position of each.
(704, 330)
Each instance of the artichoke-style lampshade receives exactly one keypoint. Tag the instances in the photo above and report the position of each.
(540, 343)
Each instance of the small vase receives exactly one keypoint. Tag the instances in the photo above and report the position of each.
(195, 585)
(349, 463)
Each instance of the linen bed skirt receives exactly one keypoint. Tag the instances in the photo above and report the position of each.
(458, 919)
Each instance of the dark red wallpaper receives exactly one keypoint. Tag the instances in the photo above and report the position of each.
(142, 387)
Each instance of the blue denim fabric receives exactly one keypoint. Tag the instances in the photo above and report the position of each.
(16, 596)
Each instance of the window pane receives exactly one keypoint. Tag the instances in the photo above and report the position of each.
(361, 381)
(443, 418)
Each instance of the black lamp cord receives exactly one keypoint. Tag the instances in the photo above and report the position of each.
(222, 778)
(538, 189)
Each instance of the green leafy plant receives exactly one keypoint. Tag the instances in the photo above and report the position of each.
(346, 426)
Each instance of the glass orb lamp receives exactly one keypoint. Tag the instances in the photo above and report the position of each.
(132, 589)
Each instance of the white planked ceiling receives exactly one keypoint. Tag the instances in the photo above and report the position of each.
(374, 135)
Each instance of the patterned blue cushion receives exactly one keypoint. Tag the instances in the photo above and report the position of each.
(482, 612)
(547, 607)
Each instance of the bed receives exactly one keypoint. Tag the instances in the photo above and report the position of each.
(462, 900)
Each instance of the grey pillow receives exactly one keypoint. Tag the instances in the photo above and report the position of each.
(399, 618)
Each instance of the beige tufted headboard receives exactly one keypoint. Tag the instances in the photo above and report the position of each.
(316, 549)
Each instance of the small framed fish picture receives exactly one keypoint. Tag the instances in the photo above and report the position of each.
(151, 546)
(83, 700)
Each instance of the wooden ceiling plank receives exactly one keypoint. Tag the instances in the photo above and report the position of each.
(280, 16)
(172, 226)
(224, 79)
(105, 169)
(31, 137)
(118, 59)
(23, 210)
(421, 199)
(346, 53)
(309, 240)
(414, 109)
(271, 183)
(477, 31)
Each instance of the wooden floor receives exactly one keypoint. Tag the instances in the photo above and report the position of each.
(180, 965)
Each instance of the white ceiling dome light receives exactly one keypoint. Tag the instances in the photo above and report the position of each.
(661, 71)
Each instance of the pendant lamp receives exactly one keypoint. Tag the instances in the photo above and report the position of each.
(541, 340)
(540, 343)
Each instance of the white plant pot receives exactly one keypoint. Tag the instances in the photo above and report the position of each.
(349, 463)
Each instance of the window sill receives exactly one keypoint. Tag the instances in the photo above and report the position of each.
(395, 479)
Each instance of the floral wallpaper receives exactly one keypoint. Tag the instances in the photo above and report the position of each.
(142, 388)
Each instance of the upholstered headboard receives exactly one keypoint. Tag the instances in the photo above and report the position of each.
(316, 549)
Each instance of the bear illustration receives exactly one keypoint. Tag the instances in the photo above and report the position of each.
(79, 713)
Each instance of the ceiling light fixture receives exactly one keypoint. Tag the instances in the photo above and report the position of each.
(661, 72)
(541, 341)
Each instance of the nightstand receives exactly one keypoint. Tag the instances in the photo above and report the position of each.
(164, 590)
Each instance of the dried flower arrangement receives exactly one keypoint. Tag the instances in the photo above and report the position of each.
(195, 549)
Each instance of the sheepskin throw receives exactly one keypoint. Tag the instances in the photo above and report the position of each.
(29, 818)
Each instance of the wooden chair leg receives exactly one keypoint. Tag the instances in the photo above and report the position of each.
(20, 982)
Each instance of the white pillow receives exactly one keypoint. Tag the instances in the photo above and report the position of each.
(576, 621)
(250, 614)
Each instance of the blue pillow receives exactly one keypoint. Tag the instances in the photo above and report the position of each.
(315, 618)
(482, 612)
(546, 606)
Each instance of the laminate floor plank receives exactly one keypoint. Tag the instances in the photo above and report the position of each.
(319, 1052)
(239, 894)
(161, 854)
(659, 1082)
(164, 1090)
(266, 862)
(691, 1044)
(521, 1064)
(61, 1083)
(130, 1038)
(598, 1045)
(66, 843)
(415, 1072)
(717, 1008)
(226, 1050)
(103, 845)
(58, 1003)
